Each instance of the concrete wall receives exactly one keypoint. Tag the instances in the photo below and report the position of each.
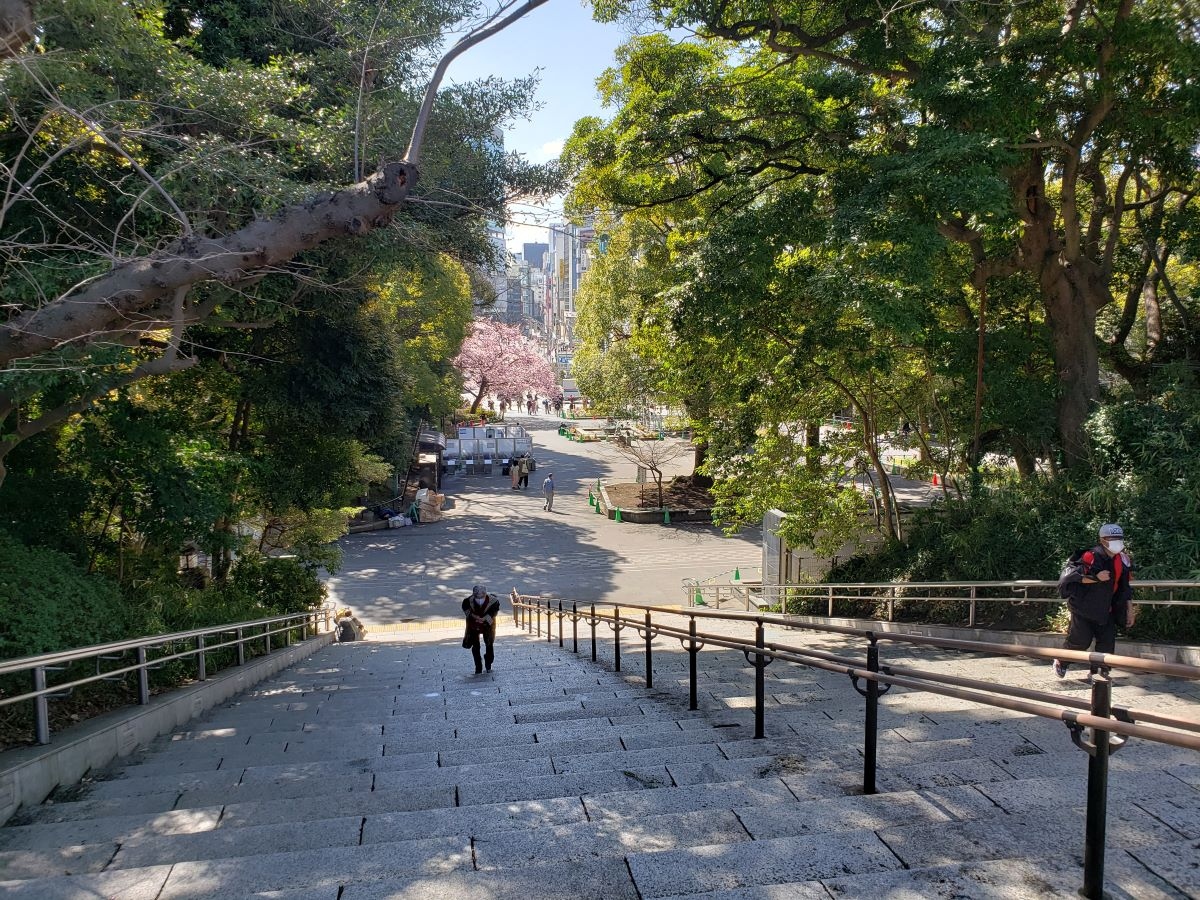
(29, 774)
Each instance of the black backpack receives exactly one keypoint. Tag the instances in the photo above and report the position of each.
(345, 631)
(1073, 571)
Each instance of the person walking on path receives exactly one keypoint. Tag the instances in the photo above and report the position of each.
(548, 492)
(523, 467)
(514, 468)
(1096, 586)
(347, 627)
(481, 610)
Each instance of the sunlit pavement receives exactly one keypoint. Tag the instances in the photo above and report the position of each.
(503, 539)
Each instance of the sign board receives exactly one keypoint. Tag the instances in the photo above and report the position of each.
(570, 390)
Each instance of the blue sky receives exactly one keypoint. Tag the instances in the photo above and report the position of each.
(571, 51)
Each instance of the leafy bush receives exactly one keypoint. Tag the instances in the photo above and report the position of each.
(1143, 475)
(50, 603)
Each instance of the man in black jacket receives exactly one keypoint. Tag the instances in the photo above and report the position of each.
(1099, 596)
(481, 610)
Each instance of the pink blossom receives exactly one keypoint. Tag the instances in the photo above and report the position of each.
(499, 359)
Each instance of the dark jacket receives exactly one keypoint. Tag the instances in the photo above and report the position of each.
(1103, 600)
(489, 611)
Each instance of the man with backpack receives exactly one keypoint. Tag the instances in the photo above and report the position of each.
(1096, 585)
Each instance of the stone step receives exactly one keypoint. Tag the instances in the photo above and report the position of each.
(716, 867)
(600, 879)
(107, 829)
(582, 842)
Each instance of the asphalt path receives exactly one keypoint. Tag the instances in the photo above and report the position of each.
(503, 539)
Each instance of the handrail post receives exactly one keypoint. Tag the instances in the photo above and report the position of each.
(616, 639)
(693, 650)
(829, 612)
(143, 677)
(267, 638)
(892, 604)
(871, 731)
(760, 683)
(549, 623)
(41, 707)
(593, 632)
(971, 616)
(649, 654)
(241, 647)
(575, 626)
(1097, 793)
(539, 618)
(201, 662)
(560, 625)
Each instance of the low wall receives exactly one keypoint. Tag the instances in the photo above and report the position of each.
(1171, 653)
(29, 774)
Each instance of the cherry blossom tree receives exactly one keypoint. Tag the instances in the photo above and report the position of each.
(498, 358)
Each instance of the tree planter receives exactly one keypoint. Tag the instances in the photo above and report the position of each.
(651, 515)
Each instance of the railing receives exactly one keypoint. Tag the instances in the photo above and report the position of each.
(243, 633)
(1096, 726)
(788, 597)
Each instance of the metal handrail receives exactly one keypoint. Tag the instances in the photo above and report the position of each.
(1020, 591)
(40, 665)
(1097, 727)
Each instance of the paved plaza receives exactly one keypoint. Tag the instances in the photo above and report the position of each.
(503, 538)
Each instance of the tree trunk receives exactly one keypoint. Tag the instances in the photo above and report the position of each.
(1072, 320)
(16, 26)
(1026, 464)
(479, 397)
(698, 479)
(812, 443)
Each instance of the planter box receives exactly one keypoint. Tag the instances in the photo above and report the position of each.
(653, 516)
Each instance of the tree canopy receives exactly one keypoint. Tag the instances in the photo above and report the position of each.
(973, 219)
(226, 299)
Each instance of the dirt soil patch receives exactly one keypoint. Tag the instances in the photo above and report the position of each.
(676, 495)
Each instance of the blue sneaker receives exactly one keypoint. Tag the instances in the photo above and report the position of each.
(1059, 669)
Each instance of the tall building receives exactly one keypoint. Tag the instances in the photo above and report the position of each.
(535, 254)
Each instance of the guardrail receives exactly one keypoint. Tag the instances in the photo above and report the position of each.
(258, 630)
(1096, 726)
(787, 597)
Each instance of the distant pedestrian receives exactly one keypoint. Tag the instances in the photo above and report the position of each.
(347, 627)
(523, 468)
(514, 469)
(548, 492)
(481, 610)
(1096, 585)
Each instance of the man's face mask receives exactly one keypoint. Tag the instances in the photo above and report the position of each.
(1115, 545)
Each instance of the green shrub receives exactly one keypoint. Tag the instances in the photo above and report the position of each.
(49, 603)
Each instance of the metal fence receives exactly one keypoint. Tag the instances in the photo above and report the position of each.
(115, 661)
(788, 598)
(1096, 726)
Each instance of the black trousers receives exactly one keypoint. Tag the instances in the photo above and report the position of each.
(1082, 631)
(489, 640)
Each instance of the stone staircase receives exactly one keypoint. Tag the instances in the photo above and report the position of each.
(385, 769)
